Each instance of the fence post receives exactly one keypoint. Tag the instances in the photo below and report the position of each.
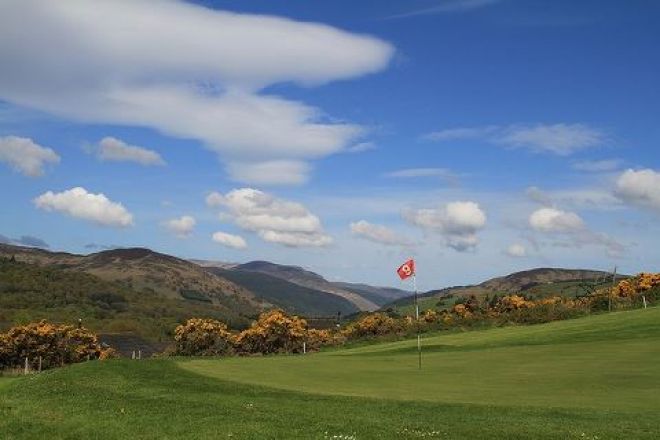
(140, 354)
(26, 366)
(39, 364)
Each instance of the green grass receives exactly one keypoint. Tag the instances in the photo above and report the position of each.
(593, 377)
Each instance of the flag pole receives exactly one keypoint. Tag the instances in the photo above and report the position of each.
(419, 339)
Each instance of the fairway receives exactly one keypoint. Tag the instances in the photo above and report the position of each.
(590, 378)
(605, 362)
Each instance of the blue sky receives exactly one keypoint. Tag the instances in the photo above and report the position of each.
(479, 136)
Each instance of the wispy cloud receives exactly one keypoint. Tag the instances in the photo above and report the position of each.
(597, 166)
(361, 147)
(561, 139)
(415, 173)
(446, 7)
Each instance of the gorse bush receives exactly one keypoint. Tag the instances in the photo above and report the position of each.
(203, 337)
(55, 344)
(374, 324)
(273, 332)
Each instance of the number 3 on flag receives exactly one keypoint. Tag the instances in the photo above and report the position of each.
(407, 269)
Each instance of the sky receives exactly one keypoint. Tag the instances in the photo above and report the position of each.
(480, 137)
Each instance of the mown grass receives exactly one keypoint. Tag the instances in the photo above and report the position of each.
(589, 378)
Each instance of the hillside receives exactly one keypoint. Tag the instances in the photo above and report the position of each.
(30, 292)
(524, 280)
(292, 297)
(145, 271)
(311, 280)
(535, 282)
(378, 295)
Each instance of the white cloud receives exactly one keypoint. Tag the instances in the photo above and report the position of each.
(214, 199)
(25, 156)
(571, 230)
(378, 233)
(516, 250)
(275, 172)
(208, 85)
(77, 202)
(361, 147)
(561, 139)
(555, 220)
(182, 227)
(112, 149)
(640, 188)
(274, 220)
(412, 173)
(597, 166)
(229, 240)
(458, 222)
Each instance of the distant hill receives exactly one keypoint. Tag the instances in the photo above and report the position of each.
(378, 295)
(539, 282)
(520, 281)
(305, 278)
(287, 295)
(146, 271)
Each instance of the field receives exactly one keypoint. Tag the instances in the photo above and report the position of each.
(588, 378)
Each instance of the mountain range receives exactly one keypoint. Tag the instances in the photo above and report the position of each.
(137, 289)
(253, 286)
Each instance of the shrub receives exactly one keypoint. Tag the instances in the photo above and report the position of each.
(273, 332)
(56, 345)
(375, 324)
(321, 338)
(203, 337)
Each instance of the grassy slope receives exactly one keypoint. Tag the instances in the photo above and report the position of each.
(607, 362)
(574, 379)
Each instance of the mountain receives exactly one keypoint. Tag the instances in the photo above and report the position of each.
(539, 281)
(287, 295)
(32, 292)
(378, 295)
(520, 281)
(146, 271)
(311, 280)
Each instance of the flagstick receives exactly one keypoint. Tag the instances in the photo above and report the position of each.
(419, 340)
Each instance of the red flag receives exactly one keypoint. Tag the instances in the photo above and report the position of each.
(407, 269)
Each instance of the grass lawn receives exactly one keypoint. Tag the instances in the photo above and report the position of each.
(588, 378)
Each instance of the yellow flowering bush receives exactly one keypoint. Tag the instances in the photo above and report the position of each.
(430, 316)
(273, 332)
(320, 338)
(203, 337)
(374, 324)
(639, 284)
(513, 302)
(55, 344)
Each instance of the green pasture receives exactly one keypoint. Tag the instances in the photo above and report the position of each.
(588, 378)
